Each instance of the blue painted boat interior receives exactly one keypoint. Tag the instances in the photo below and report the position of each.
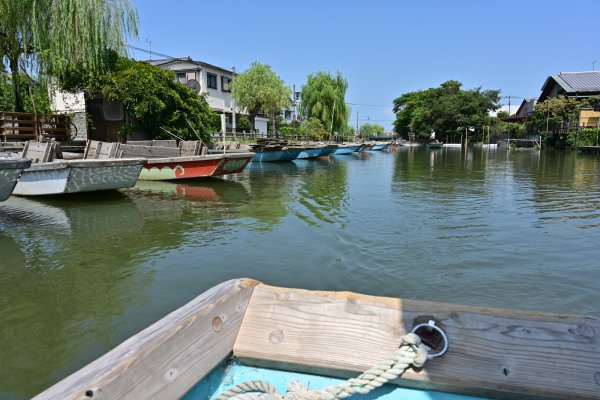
(231, 373)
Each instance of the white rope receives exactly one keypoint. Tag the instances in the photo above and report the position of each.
(411, 352)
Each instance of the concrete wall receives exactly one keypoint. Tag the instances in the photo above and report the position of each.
(72, 104)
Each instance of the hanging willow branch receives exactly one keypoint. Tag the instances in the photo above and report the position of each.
(49, 36)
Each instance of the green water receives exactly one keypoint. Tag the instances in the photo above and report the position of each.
(78, 275)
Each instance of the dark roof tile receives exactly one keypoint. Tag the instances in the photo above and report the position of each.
(582, 81)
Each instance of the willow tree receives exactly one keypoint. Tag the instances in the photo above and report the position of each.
(324, 98)
(43, 37)
(260, 89)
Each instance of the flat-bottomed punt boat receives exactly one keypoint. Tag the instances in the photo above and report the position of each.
(10, 172)
(482, 351)
(49, 176)
(167, 161)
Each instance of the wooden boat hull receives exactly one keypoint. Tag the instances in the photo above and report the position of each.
(75, 176)
(435, 145)
(378, 147)
(10, 172)
(492, 352)
(276, 155)
(317, 152)
(347, 149)
(162, 169)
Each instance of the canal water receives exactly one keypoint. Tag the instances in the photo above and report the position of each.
(78, 275)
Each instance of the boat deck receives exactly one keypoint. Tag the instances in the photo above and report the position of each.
(232, 372)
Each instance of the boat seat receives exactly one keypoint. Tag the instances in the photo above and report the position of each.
(39, 152)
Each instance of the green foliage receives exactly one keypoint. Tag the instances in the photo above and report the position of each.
(34, 95)
(584, 137)
(445, 109)
(324, 98)
(243, 123)
(151, 98)
(368, 129)
(48, 36)
(260, 89)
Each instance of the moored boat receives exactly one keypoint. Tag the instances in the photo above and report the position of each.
(11, 169)
(182, 162)
(435, 145)
(314, 151)
(49, 176)
(452, 145)
(433, 346)
(347, 148)
(267, 154)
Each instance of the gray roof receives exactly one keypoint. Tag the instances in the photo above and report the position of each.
(582, 81)
(160, 62)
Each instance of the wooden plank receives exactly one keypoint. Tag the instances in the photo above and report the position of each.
(38, 152)
(160, 142)
(92, 148)
(128, 150)
(492, 352)
(165, 360)
(190, 147)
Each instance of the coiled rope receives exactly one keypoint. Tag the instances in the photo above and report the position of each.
(410, 353)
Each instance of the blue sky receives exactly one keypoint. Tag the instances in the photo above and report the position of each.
(383, 48)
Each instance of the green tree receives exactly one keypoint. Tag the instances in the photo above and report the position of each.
(151, 98)
(368, 129)
(324, 98)
(260, 89)
(445, 109)
(48, 36)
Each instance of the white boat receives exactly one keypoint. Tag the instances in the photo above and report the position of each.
(10, 171)
(48, 177)
(455, 349)
(452, 145)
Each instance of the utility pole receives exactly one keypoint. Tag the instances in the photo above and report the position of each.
(357, 122)
(233, 122)
(149, 43)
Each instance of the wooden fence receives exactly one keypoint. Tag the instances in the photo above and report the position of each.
(28, 126)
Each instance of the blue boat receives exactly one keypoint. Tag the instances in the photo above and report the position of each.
(380, 146)
(272, 155)
(348, 148)
(318, 151)
(413, 348)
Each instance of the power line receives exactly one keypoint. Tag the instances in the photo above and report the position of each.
(150, 52)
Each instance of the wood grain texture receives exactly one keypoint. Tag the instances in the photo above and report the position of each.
(166, 359)
(500, 353)
(129, 150)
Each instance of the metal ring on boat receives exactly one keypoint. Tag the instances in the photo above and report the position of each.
(431, 325)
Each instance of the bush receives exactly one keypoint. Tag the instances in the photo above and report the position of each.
(585, 137)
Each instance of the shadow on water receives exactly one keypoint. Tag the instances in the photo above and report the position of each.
(78, 254)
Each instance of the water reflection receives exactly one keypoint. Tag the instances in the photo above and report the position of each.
(58, 298)
(321, 198)
(80, 274)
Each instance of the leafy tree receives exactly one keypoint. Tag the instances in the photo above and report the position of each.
(151, 98)
(368, 129)
(47, 36)
(34, 94)
(260, 89)
(445, 109)
(324, 98)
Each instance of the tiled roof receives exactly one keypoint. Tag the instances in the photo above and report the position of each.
(582, 81)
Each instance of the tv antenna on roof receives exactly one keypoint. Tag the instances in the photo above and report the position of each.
(150, 44)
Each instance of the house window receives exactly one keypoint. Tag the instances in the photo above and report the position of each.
(288, 114)
(211, 81)
(181, 77)
(225, 84)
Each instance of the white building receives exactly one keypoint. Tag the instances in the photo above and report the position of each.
(209, 79)
(72, 104)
